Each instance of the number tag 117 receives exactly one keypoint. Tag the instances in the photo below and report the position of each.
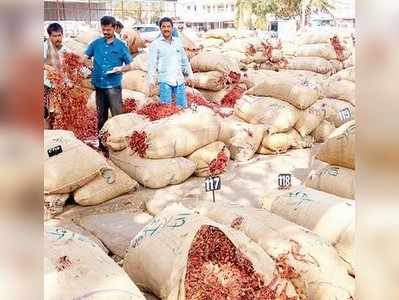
(212, 184)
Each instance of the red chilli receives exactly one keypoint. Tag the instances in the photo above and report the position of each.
(70, 99)
(233, 95)
(129, 105)
(218, 165)
(138, 143)
(155, 111)
(216, 269)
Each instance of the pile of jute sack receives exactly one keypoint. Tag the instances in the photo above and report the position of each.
(298, 245)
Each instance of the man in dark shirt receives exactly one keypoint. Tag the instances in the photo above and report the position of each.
(111, 58)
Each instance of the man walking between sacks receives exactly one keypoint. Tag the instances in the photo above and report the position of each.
(168, 57)
(54, 51)
(111, 58)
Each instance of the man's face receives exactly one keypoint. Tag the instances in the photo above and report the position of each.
(56, 39)
(166, 29)
(108, 31)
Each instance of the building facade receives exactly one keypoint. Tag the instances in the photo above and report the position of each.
(206, 14)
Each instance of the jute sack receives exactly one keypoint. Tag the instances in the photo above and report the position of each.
(276, 115)
(300, 93)
(133, 40)
(140, 62)
(169, 256)
(178, 135)
(309, 119)
(213, 80)
(329, 216)
(135, 80)
(240, 56)
(279, 142)
(217, 96)
(217, 34)
(75, 166)
(139, 98)
(54, 205)
(207, 157)
(259, 57)
(86, 83)
(153, 173)
(314, 64)
(111, 183)
(335, 180)
(75, 46)
(350, 62)
(336, 111)
(76, 268)
(346, 74)
(339, 149)
(214, 96)
(315, 37)
(238, 45)
(322, 274)
(211, 43)
(323, 131)
(204, 62)
(340, 89)
(325, 51)
(86, 37)
(242, 139)
(116, 228)
(188, 44)
(338, 65)
(117, 130)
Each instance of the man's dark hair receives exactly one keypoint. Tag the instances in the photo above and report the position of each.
(165, 20)
(119, 24)
(108, 20)
(54, 27)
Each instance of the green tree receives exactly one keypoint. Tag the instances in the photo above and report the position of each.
(283, 9)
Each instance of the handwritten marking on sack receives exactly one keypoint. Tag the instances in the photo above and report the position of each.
(157, 225)
(346, 134)
(330, 170)
(301, 196)
(63, 234)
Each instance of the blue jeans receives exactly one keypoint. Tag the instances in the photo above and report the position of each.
(166, 91)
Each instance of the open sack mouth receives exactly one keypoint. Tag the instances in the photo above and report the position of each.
(216, 269)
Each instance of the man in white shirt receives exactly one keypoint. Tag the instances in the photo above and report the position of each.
(167, 56)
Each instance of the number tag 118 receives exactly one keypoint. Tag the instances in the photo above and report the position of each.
(284, 181)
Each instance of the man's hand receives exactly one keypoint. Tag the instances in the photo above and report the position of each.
(190, 82)
(49, 68)
(153, 89)
(117, 70)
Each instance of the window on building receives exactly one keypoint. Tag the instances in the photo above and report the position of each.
(209, 9)
(195, 7)
(232, 7)
(220, 7)
(214, 8)
(188, 7)
(203, 7)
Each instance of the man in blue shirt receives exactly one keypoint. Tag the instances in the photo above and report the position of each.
(111, 58)
(168, 57)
